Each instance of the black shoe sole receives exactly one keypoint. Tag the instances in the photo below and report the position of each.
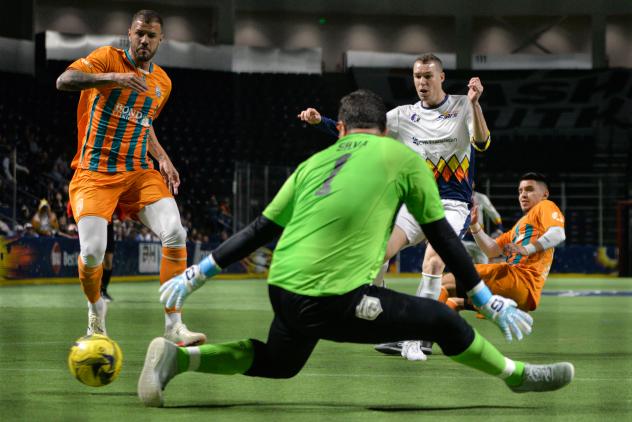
(387, 350)
(395, 350)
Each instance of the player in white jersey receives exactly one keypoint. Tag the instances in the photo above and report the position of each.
(443, 129)
(486, 210)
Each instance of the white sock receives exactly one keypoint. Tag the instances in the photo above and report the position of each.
(379, 280)
(194, 358)
(510, 367)
(172, 319)
(99, 307)
(430, 286)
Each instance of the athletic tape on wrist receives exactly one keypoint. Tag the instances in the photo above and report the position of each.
(208, 267)
(480, 294)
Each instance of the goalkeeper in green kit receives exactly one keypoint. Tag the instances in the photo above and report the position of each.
(335, 214)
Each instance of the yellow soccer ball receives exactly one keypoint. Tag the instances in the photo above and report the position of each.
(95, 360)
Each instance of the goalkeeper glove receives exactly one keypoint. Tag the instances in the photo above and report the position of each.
(512, 321)
(174, 291)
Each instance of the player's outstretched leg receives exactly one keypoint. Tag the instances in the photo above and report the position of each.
(163, 218)
(165, 360)
(173, 263)
(520, 377)
(537, 378)
(161, 365)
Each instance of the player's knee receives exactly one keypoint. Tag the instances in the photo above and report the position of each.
(92, 254)
(174, 235)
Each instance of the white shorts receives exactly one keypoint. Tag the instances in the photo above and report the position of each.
(456, 212)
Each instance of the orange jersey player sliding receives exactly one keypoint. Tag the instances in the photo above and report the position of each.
(122, 93)
(528, 248)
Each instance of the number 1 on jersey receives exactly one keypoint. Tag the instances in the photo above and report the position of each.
(326, 187)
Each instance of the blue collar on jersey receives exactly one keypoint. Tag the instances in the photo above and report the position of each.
(131, 60)
(421, 103)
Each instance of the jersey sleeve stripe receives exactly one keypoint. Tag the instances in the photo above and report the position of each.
(102, 127)
(119, 134)
(129, 159)
(85, 141)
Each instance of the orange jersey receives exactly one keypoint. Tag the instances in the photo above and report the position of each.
(528, 229)
(113, 123)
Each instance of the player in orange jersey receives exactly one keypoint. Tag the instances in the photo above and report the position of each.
(122, 93)
(528, 248)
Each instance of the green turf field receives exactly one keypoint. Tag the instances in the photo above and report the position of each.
(340, 382)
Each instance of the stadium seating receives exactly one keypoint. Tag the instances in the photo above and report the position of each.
(215, 119)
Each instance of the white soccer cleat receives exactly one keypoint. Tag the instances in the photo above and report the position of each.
(545, 377)
(161, 365)
(96, 318)
(411, 350)
(181, 336)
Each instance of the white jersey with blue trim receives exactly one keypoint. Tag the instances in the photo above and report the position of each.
(442, 135)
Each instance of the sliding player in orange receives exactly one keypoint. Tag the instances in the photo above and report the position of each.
(528, 248)
(122, 93)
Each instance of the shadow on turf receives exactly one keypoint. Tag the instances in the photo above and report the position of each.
(389, 408)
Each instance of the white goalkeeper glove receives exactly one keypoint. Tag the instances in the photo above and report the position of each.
(174, 291)
(512, 321)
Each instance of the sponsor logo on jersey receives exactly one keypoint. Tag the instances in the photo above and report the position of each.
(447, 115)
(130, 114)
(418, 141)
(415, 117)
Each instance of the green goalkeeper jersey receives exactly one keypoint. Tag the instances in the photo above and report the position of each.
(338, 209)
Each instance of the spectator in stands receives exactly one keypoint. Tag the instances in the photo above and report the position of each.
(19, 230)
(70, 232)
(29, 231)
(25, 213)
(60, 172)
(45, 221)
(144, 235)
(225, 219)
(34, 147)
(58, 205)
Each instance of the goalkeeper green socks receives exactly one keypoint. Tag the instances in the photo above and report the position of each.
(226, 358)
(482, 355)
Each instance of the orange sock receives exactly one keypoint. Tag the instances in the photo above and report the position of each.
(173, 262)
(444, 295)
(90, 278)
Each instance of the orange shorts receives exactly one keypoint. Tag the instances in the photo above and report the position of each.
(95, 193)
(508, 281)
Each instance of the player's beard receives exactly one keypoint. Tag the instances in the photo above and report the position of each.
(144, 54)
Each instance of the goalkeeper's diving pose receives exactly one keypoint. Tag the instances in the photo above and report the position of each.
(335, 214)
